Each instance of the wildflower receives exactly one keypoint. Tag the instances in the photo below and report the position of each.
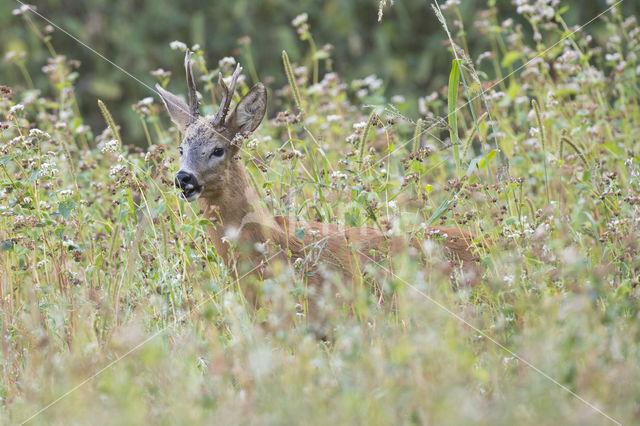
(161, 73)
(300, 19)
(110, 146)
(48, 169)
(16, 108)
(483, 56)
(336, 175)
(227, 61)
(373, 82)
(23, 9)
(449, 4)
(227, 80)
(82, 129)
(116, 170)
(178, 45)
(37, 133)
(612, 57)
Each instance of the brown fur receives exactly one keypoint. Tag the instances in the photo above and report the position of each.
(345, 249)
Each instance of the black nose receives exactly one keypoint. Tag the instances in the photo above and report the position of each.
(183, 179)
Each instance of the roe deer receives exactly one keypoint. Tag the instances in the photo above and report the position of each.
(212, 173)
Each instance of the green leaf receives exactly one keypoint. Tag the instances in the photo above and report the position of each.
(472, 166)
(510, 58)
(204, 222)
(66, 207)
(320, 55)
(5, 159)
(300, 233)
(614, 149)
(454, 82)
(261, 316)
(6, 245)
(443, 208)
(33, 176)
(483, 161)
(514, 90)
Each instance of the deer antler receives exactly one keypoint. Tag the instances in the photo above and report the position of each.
(194, 111)
(227, 94)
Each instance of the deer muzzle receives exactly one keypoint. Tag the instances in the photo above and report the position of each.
(188, 183)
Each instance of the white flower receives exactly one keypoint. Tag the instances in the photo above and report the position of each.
(449, 4)
(178, 45)
(613, 57)
(110, 146)
(23, 9)
(16, 108)
(227, 61)
(300, 19)
(116, 170)
(146, 101)
(373, 82)
(483, 56)
(48, 170)
(39, 133)
(82, 129)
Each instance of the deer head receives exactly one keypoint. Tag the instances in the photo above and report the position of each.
(208, 150)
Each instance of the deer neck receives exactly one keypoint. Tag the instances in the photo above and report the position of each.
(236, 212)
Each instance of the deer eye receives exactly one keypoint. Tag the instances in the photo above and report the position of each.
(218, 152)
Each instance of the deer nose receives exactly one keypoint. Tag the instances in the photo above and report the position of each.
(185, 180)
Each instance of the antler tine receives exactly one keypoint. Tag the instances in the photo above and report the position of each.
(227, 94)
(194, 110)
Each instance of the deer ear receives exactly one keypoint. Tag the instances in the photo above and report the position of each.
(176, 106)
(249, 112)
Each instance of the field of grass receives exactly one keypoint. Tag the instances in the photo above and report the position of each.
(115, 308)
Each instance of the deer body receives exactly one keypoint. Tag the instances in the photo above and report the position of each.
(212, 173)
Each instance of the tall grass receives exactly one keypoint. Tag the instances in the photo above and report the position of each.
(103, 265)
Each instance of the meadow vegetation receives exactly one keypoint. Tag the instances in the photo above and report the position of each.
(115, 307)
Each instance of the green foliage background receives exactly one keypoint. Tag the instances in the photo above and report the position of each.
(406, 49)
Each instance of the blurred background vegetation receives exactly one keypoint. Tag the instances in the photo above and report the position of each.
(406, 49)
